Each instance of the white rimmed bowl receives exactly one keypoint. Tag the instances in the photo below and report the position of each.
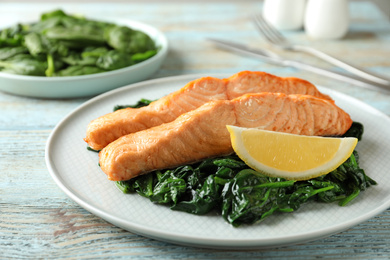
(93, 84)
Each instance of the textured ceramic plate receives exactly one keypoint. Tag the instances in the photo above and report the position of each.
(89, 85)
(77, 173)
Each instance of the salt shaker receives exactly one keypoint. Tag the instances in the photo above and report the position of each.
(284, 14)
(326, 19)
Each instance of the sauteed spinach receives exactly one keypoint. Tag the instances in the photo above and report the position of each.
(65, 45)
(241, 195)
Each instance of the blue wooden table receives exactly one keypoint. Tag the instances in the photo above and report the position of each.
(37, 220)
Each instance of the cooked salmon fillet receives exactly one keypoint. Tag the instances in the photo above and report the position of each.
(202, 133)
(109, 127)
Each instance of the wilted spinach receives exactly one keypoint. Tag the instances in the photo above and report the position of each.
(65, 45)
(241, 195)
(141, 103)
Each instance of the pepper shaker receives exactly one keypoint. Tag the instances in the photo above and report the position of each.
(284, 14)
(326, 19)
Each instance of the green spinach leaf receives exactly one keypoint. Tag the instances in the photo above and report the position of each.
(70, 46)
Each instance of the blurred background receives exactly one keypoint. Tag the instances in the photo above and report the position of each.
(384, 5)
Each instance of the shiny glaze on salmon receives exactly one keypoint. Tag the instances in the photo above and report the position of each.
(202, 133)
(108, 128)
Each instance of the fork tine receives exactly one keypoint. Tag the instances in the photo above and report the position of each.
(263, 31)
(274, 31)
(270, 32)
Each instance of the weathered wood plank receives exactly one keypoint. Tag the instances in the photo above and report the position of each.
(37, 220)
(70, 232)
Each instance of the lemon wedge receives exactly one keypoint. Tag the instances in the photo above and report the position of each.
(290, 156)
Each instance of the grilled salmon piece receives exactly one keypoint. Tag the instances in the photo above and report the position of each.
(202, 133)
(108, 128)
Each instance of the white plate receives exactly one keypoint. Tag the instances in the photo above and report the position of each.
(76, 172)
(89, 85)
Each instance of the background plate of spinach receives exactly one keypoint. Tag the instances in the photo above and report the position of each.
(76, 171)
(62, 56)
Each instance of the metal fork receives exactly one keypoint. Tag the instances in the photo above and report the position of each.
(276, 38)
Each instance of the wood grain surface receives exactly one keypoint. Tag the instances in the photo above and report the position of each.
(38, 220)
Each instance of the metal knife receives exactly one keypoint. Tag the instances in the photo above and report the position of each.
(273, 58)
